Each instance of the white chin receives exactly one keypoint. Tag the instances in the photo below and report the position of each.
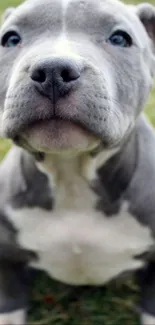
(57, 135)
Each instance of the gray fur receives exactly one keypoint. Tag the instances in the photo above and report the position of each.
(24, 190)
(105, 101)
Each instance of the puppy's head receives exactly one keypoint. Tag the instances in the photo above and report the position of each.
(74, 73)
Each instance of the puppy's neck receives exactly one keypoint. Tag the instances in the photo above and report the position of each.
(68, 167)
(108, 171)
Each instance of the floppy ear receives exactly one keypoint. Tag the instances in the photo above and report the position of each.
(146, 13)
(7, 13)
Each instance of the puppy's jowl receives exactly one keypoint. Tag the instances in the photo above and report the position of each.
(78, 188)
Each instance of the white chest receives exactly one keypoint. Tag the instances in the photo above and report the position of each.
(77, 244)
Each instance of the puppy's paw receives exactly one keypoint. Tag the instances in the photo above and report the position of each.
(17, 317)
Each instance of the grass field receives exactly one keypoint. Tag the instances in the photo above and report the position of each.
(57, 304)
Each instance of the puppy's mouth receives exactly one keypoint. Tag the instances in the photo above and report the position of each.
(58, 134)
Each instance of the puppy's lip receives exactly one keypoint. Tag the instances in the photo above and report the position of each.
(58, 119)
(58, 134)
(57, 123)
(53, 119)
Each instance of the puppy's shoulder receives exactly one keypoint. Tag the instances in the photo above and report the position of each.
(22, 184)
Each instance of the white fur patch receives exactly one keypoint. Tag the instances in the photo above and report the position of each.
(17, 317)
(63, 48)
(147, 319)
(82, 247)
(76, 243)
(91, 165)
(65, 4)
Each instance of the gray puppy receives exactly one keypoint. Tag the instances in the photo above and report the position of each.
(78, 189)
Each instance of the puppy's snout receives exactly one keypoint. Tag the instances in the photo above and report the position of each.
(56, 76)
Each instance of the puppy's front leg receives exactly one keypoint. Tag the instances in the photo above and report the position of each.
(13, 293)
(147, 305)
(14, 284)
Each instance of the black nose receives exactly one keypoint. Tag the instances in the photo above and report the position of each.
(55, 77)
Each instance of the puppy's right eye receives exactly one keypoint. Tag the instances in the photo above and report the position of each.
(11, 39)
(121, 39)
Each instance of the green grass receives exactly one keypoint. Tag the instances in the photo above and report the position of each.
(56, 304)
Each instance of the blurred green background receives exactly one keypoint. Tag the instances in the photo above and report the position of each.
(54, 303)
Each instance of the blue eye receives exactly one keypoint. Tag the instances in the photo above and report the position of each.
(121, 39)
(11, 39)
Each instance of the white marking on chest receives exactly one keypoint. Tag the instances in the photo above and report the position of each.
(76, 243)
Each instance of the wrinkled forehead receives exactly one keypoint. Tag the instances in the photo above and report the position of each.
(83, 16)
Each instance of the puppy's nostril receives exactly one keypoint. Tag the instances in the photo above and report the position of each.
(65, 75)
(69, 75)
(38, 75)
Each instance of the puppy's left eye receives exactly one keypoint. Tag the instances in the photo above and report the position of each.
(11, 39)
(120, 38)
